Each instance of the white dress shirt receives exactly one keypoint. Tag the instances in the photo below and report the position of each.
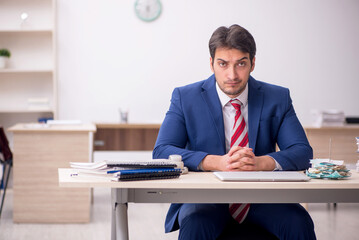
(229, 113)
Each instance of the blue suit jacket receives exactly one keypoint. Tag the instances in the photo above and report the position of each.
(193, 127)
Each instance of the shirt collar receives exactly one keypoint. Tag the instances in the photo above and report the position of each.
(224, 99)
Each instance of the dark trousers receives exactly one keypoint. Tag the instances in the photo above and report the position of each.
(213, 221)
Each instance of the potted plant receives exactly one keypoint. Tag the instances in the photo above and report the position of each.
(4, 56)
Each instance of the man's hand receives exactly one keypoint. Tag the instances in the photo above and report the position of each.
(241, 159)
(238, 159)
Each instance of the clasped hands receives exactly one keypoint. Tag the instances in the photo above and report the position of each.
(238, 159)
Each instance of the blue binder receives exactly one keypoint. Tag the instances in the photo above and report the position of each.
(146, 174)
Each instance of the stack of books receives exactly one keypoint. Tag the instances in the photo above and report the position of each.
(330, 118)
(129, 170)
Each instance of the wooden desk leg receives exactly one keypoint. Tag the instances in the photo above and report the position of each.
(119, 221)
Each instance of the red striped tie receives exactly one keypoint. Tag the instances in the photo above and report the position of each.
(239, 211)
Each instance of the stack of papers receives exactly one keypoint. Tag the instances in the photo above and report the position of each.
(129, 170)
(330, 118)
(38, 103)
(326, 168)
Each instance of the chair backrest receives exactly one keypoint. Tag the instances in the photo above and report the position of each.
(4, 146)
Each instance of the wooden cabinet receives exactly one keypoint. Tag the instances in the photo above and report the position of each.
(39, 150)
(343, 143)
(126, 137)
(135, 137)
(28, 85)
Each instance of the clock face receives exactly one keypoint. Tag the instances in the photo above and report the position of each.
(148, 10)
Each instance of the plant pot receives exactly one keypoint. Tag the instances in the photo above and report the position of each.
(3, 61)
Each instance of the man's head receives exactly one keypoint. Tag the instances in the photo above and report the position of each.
(232, 60)
(235, 37)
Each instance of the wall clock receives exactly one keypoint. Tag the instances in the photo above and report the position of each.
(148, 10)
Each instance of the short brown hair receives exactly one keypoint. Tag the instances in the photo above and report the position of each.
(235, 37)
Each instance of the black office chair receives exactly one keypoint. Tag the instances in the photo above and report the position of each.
(245, 231)
(6, 161)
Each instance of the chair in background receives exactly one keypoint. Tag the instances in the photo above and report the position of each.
(245, 231)
(6, 161)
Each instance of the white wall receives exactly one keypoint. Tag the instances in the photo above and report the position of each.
(108, 58)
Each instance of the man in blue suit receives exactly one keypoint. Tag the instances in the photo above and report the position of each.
(198, 127)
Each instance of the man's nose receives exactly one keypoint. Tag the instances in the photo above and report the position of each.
(231, 73)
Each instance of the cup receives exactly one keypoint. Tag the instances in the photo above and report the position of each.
(123, 115)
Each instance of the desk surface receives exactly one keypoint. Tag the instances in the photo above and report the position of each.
(37, 127)
(204, 187)
(205, 180)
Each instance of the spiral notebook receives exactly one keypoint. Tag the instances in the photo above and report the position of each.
(146, 174)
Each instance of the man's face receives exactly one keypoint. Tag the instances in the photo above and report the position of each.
(232, 68)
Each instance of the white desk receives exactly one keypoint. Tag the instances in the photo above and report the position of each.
(206, 188)
(39, 150)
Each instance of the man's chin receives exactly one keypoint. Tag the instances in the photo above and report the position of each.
(233, 92)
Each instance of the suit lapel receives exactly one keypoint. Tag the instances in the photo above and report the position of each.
(210, 96)
(255, 104)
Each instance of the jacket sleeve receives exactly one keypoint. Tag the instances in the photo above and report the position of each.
(172, 137)
(295, 151)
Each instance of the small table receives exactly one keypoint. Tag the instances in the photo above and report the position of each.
(204, 187)
(39, 150)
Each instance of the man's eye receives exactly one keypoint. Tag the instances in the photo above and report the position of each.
(241, 64)
(222, 64)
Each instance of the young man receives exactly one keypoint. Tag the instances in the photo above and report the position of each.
(232, 122)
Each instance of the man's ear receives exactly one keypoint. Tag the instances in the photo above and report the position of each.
(211, 62)
(253, 63)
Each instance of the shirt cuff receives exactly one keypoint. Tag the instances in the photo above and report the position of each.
(278, 167)
(200, 167)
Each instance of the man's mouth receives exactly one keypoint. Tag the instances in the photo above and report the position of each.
(232, 82)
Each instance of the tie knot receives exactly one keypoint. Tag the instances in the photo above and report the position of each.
(236, 104)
